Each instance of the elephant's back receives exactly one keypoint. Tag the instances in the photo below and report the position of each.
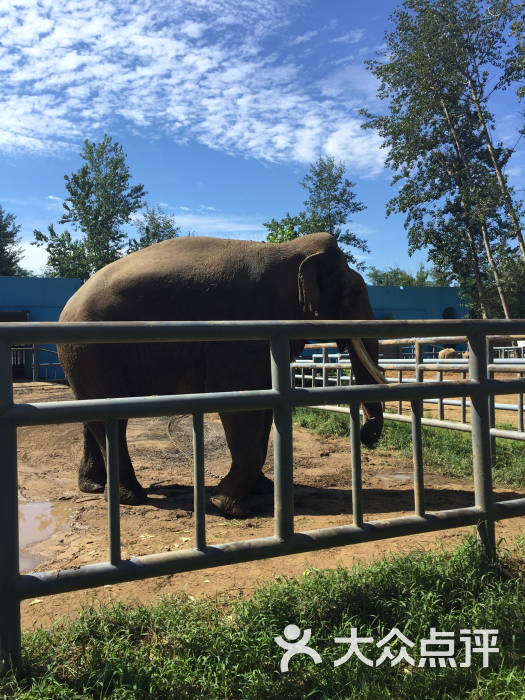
(189, 278)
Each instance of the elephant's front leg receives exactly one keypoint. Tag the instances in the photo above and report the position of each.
(92, 469)
(247, 435)
(130, 491)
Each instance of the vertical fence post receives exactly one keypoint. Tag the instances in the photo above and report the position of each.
(481, 455)
(113, 490)
(492, 401)
(198, 481)
(400, 381)
(520, 408)
(326, 369)
(35, 363)
(282, 439)
(463, 402)
(419, 373)
(441, 405)
(417, 454)
(10, 631)
(355, 454)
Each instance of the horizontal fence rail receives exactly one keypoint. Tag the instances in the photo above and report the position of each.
(281, 398)
(321, 370)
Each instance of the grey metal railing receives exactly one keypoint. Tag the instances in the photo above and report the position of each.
(321, 370)
(282, 397)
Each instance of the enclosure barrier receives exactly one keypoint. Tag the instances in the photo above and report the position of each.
(281, 398)
(322, 374)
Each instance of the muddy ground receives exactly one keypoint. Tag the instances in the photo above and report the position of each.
(160, 449)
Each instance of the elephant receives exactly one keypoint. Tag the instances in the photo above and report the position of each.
(211, 279)
(448, 354)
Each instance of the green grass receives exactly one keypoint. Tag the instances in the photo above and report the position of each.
(217, 649)
(446, 451)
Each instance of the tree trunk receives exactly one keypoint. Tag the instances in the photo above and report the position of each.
(477, 274)
(484, 230)
(499, 175)
(473, 253)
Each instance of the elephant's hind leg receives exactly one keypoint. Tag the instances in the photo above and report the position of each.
(130, 491)
(92, 469)
(247, 436)
(263, 486)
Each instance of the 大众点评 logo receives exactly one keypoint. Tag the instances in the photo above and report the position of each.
(484, 644)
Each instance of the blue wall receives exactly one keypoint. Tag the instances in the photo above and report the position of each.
(407, 303)
(44, 298)
(411, 303)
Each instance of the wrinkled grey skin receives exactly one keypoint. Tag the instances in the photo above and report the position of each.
(202, 279)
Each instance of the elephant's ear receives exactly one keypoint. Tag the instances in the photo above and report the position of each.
(309, 293)
(314, 272)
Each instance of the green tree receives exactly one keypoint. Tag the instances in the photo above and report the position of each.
(10, 252)
(397, 277)
(328, 208)
(101, 200)
(288, 228)
(66, 257)
(154, 226)
(438, 131)
(332, 201)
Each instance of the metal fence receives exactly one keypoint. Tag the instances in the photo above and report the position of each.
(324, 369)
(281, 398)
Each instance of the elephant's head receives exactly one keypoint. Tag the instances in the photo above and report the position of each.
(330, 290)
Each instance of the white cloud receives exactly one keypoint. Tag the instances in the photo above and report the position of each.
(70, 69)
(59, 199)
(222, 226)
(193, 29)
(184, 208)
(303, 38)
(351, 37)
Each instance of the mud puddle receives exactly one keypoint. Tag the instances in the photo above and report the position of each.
(39, 521)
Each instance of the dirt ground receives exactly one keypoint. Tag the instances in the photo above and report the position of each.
(160, 447)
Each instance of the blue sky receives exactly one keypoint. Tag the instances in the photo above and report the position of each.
(220, 106)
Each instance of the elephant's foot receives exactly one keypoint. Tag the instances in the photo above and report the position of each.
(371, 431)
(234, 506)
(87, 485)
(262, 486)
(128, 496)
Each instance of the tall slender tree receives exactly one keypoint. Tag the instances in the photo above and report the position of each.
(100, 201)
(438, 130)
(328, 208)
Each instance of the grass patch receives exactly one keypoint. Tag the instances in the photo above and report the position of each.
(215, 649)
(445, 451)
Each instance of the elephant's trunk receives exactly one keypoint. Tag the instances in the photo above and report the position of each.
(364, 355)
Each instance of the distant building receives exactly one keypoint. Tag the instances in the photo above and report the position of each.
(408, 303)
(411, 303)
(35, 299)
